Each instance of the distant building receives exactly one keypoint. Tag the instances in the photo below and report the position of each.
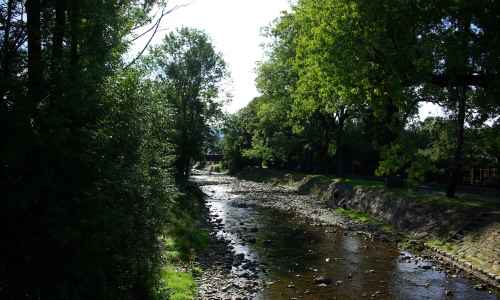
(481, 176)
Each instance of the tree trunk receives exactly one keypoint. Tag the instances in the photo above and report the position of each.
(57, 49)
(34, 54)
(75, 35)
(456, 168)
(459, 98)
(6, 48)
(57, 43)
(339, 140)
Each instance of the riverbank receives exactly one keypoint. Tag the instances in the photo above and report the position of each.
(461, 234)
(185, 238)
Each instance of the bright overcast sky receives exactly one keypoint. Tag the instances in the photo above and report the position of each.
(235, 29)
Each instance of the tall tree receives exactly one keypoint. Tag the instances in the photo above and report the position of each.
(33, 12)
(190, 70)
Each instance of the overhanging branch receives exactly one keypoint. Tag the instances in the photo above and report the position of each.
(153, 28)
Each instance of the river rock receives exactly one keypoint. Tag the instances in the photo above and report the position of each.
(238, 259)
(337, 194)
(322, 279)
(267, 243)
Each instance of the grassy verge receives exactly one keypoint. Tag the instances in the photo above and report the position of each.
(217, 167)
(183, 240)
(364, 218)
(442, 245)
(439, 200)
(180, 284)
(361, 182)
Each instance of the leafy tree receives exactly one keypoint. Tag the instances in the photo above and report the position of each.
(190, 73)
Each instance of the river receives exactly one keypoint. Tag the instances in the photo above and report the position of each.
(294, 259)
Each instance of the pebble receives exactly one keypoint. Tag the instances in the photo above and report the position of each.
(322, 280)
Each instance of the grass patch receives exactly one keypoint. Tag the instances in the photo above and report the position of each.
(183, 240)
(364, 218)
(356, 215)
(268, 175)
(445, 246)
(180, 285)
(464, 202)
(362, 182)
(217, 167)
(461, 202)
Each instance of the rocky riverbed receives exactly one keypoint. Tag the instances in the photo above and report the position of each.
(268, 242)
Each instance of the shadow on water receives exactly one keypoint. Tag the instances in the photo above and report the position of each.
(291, 254)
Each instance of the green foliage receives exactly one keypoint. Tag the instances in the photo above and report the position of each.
(180, 285)
(423, 151)
(342, 82)
(189, 72)
(184, 237)
(238, 131)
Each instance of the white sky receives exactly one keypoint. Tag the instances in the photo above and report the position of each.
(235, 29)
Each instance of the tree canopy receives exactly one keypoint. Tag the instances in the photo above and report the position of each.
(354, 68)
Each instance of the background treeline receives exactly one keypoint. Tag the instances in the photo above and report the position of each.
(342, 84)
(95, 152)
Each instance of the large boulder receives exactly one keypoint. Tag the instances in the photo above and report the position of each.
(338, 194)
(313, 184)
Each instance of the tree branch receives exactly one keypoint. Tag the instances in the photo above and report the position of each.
(155, 30)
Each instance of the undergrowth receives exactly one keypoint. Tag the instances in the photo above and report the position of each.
(183, 240)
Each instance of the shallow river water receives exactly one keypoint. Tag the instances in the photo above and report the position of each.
(291, 254)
